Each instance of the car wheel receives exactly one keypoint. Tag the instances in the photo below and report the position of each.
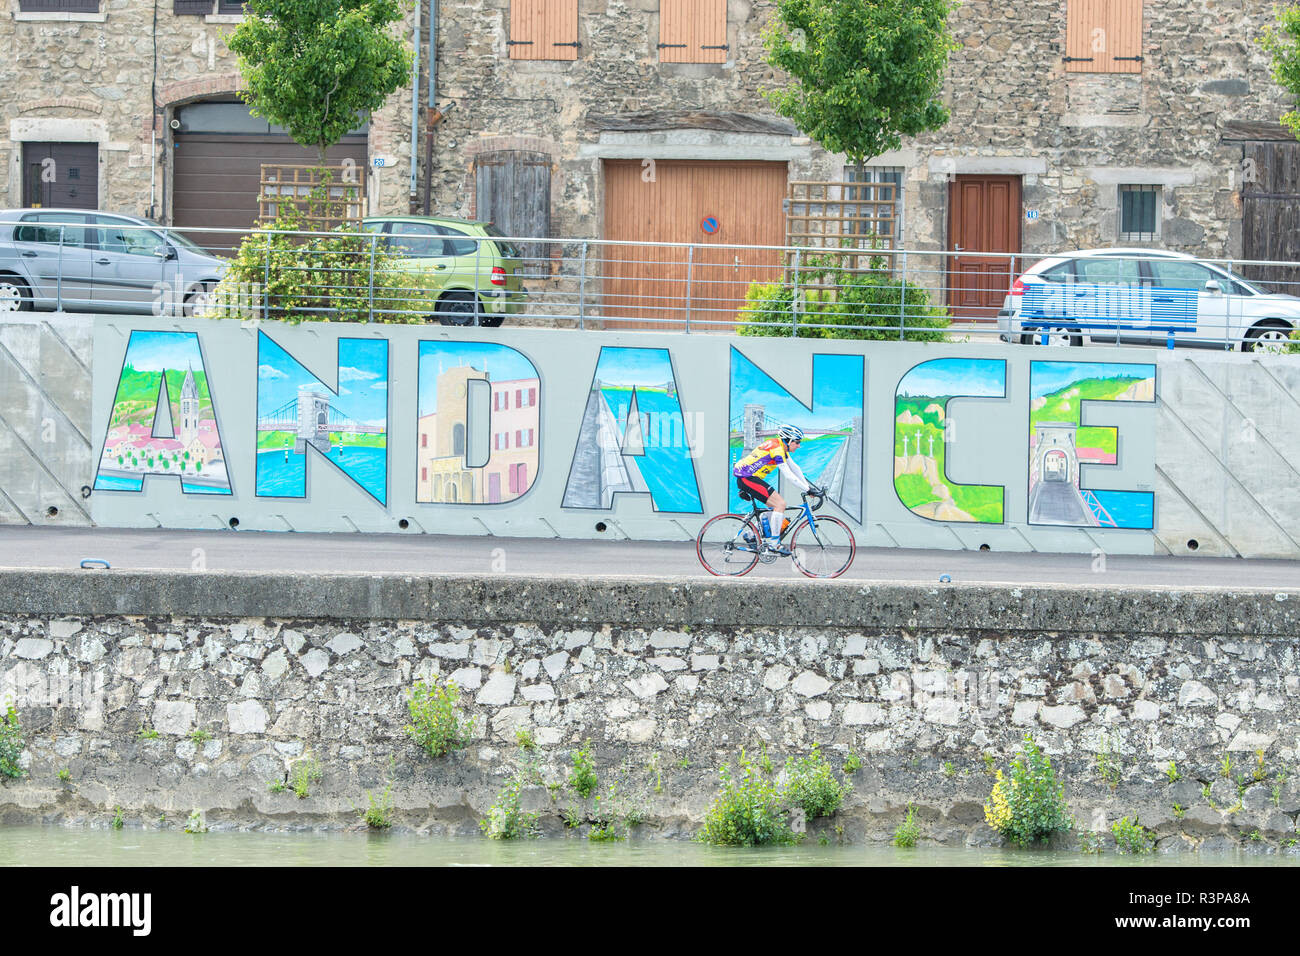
(459, 308)
(14, 295)
(196, 301)
(1058, 335)
(1272, 336)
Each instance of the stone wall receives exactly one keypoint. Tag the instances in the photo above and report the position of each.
(667, 679)
(91, 78)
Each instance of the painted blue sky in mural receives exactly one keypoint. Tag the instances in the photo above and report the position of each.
(159, 351)
(501, 362)
(362, 378)
(965, 377)
(1048, 377)
(634, 366)
(837, 391)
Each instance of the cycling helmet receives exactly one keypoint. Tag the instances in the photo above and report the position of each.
(790, 433)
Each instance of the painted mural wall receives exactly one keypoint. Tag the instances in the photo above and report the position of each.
(330, 427)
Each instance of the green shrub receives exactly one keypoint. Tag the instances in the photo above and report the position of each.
(1132, 837)
(853, 764)
(435, 724)
(116, 822)
(583, 779)
(524, 738)
(1031, 804)
(195, 824)
(835, 302)
(11, 743)
(505, 819)
(811, 786)
(748, 811)
(379, 814)
(324, 278)
(908, 832)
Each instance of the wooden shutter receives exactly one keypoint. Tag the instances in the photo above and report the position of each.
(544, 29)
(513, 190)
(58, 6)
(1103, 36)
(693, 31)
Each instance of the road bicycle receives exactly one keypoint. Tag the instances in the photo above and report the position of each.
(820, 547)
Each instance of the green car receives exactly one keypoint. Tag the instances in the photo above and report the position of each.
(478, 271)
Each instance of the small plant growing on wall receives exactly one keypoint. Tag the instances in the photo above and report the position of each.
(379, 814)
(583, 779)
(909, 831)
(11, 743)
(506, 820)
(811, 786)
(1131, 837)
(436, 724)
(305, 772)
(748, 810)
(1030, 805)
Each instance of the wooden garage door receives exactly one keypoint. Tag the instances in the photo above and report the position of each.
(647, 287)
(61, 175)
(216, 178)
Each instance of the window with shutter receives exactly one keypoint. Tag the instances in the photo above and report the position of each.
(1103, 36)
(192, 8)
(544, 30)
(693, 31)
(234, 7)
(58, 6)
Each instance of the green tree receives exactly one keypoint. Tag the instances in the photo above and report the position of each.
(864, 72)
(1283, 44)
(319, 67)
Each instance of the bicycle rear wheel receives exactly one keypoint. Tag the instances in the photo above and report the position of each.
(823, 551)
(722, 548)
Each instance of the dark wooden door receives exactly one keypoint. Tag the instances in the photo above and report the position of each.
(61, 175)
(1270, 213)
(983, 217)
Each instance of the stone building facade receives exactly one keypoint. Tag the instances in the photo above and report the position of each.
(1069, 144)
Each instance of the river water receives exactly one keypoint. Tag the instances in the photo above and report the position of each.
(76, 847)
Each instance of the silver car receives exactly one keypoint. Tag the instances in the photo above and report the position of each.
(1143, 296)
(84, 261)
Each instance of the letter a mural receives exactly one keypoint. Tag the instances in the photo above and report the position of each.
(296, 411)
(163, 421)
(633, 436)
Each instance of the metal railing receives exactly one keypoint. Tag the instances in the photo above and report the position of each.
(712, 287)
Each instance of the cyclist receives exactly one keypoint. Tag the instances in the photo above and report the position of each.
(760, 462)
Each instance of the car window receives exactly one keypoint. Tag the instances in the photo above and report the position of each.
(458, 244)
(127, 238)
(1180, 274)
(508, 249)
(52, 223)
(372, 227)
(1064, 272)
(1108, 270)
(416, 240)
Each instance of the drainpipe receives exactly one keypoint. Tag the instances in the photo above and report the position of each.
(433, 94)
(415, 104)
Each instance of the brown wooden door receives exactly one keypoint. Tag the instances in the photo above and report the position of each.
(647, 287)
(1270, 213)
(61, 175)
(984, 216)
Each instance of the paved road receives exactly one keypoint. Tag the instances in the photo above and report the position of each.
(24, 547)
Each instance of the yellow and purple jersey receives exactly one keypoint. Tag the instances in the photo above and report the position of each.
(761, 461)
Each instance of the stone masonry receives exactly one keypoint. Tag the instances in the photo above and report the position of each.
(929, 688)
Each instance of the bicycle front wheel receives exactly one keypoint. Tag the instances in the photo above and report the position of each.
(824, 549)
(727, 545)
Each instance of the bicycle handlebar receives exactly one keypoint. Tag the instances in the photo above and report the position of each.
(820, 499)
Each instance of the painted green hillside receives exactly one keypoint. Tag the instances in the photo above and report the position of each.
(982, 502)
(138, 390)
(1065, 403)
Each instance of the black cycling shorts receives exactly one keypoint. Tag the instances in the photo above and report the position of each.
(754, 488)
